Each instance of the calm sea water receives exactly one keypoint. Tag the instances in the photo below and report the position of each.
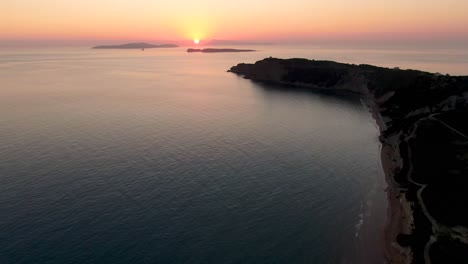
(162, 157)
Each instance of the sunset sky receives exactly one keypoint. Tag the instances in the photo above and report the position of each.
(271, 20)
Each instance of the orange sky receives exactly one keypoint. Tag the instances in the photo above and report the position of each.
(272, 20)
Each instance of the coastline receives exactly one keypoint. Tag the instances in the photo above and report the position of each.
(393, 96)
(398, 217)
(399, 212)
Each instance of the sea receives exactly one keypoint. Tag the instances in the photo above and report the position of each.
(161, 156)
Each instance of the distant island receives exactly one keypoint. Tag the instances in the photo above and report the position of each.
(210, 50)
(424, 136)
(136, 46)
(221, 42)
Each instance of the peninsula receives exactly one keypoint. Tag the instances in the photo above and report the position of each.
(210, 50)
(424, 136)
(136, 46)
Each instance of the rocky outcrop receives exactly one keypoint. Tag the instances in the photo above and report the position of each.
(424, 136)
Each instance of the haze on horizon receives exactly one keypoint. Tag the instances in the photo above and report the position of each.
(260, 20)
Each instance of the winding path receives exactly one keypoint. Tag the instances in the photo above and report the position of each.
(437, 228)
(448, 126)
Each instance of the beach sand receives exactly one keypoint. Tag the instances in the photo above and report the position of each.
(399, 212)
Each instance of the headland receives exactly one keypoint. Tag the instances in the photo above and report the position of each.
(424, 136)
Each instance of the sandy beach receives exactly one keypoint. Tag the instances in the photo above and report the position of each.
(399, 212)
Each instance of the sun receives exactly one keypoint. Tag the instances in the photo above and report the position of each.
(196, 41)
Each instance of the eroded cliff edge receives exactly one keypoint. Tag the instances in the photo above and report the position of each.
(424, 135)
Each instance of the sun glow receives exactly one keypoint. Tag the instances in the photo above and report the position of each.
(196, 41)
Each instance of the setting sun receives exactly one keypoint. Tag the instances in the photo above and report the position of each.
(196, 41)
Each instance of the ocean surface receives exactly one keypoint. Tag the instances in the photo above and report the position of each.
(160, 156)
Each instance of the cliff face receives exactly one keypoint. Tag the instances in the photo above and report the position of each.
(422, 120)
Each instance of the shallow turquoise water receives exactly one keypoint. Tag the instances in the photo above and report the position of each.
(163, 157)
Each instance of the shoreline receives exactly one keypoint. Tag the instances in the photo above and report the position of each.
(399, 212)
(393, 97)
(398, 218)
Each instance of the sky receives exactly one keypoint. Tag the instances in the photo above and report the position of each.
(260, 20)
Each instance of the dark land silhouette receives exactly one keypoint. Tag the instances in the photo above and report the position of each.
(424, 136)
(222, 42)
